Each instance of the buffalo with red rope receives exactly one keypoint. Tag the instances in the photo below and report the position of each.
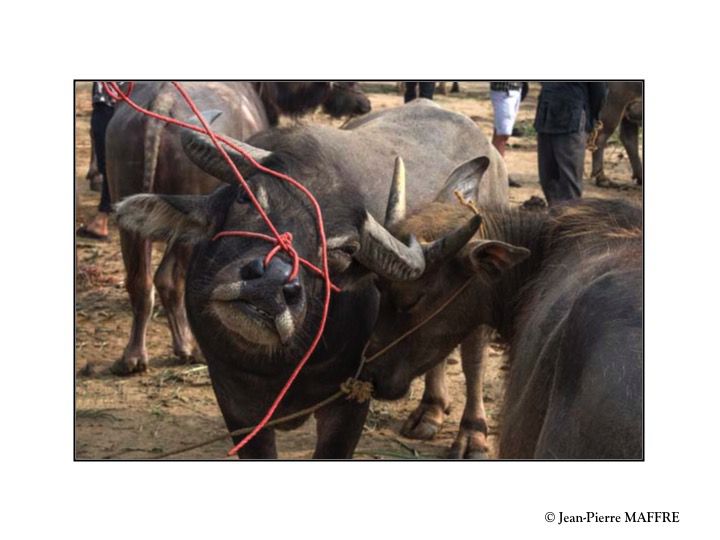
(252, 311)
(145, 155)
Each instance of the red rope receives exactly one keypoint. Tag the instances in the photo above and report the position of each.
(282, 241)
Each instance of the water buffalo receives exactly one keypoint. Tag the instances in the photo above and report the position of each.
(251, 322)
(624, 107)
(564, 289)
(144, 155)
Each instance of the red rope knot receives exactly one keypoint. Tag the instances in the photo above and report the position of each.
(284, 242)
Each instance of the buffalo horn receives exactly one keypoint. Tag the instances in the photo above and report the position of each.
(202, 152)
(387, 256)
(447, 246)
(396, 200)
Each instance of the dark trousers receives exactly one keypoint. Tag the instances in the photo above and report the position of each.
(101, 115)
(560, 164)
(427, 89)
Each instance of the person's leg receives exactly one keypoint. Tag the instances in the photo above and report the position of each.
(569, 153)
(505, 109)
(547, 167)
(99, 121)
(427, 89)
(500, 142)
(410, 90)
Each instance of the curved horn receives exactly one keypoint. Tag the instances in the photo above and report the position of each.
(396, 200)
(202, 152)
(447, 246)
(387, 256)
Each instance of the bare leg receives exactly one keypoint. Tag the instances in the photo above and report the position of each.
(500, 142)
(138, 281)
(99, 224)
(427, 419)
(339, 427)
(170, 284)
(471, 441)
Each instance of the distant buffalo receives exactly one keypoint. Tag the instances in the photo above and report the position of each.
(624, 107)
(144, 155)
(564, 289)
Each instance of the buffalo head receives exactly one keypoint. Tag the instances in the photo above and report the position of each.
(454, 253)
(346, 99)
(233, 293)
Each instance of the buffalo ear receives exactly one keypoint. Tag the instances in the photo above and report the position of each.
(183, 218)
(465, 178)
(494, 257)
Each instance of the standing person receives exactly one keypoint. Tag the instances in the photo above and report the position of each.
(566, 113)
(427, 89)
(103, 109)
(505, 97)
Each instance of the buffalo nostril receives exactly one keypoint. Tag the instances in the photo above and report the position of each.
(292, 291)
(252, 270)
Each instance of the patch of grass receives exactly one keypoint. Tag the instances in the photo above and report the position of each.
(379, 88)
(524, 128)
(194, 376)
(405, 452)
(157, 412)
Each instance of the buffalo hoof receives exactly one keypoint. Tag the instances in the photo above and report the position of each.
(424, 423)
(127, 365)
(603, 181)
(469, 444)
(192, 357)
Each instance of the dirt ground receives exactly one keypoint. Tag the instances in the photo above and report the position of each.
(172, 405)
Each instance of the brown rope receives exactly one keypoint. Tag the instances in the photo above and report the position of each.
(360, 391)
(469, 203)
(422, 323)
(593, 137)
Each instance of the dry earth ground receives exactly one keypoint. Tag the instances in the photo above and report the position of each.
(173, 405)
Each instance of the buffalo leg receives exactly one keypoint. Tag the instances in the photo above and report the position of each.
(262, 446)
(138, 281)
(339, 427)
(610, 117)
(629, 137)
(427, 419)
(170, 284)
(471, 441)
